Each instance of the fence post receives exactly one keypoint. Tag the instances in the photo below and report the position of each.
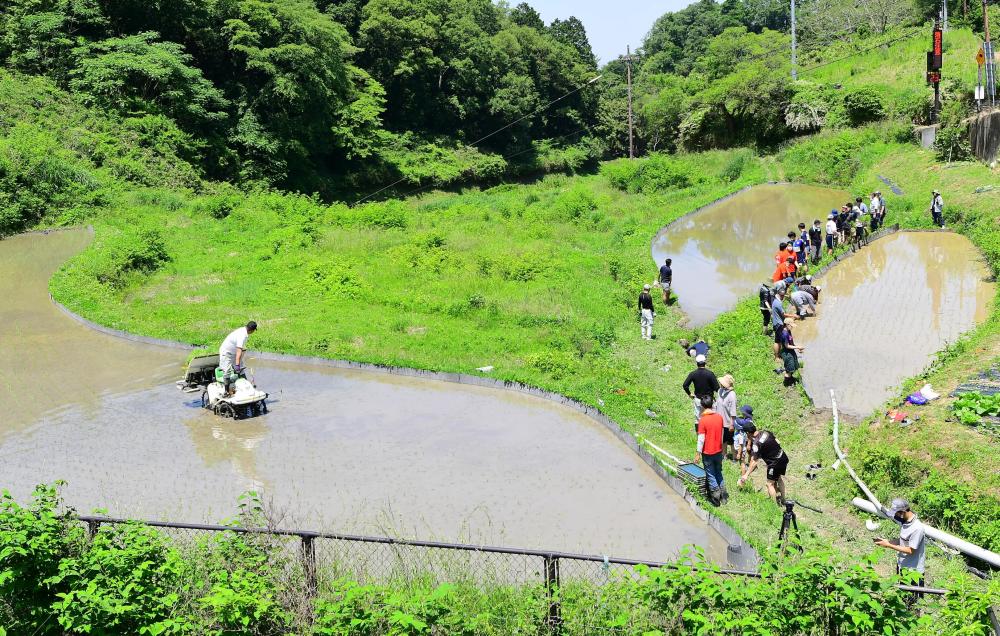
(309, 562)
(93, 525)
(554, 620)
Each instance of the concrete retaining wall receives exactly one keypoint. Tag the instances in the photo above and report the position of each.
(984, 135)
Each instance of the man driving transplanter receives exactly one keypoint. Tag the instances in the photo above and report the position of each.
(231, 353)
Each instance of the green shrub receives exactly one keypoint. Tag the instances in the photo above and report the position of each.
(126, 582)
(951, 143)
(955, 507)
(733, 169)
(652, 174)
(132, 251)
(829, 159)
(863, 105)
(34, 540)
(887, 468)
(791, 597)
(386, 216)
(574, 204)
(38, 178)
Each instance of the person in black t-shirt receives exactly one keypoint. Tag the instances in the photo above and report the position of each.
(666, 279)
(765, 447)
(816, 240)
(646, 313)
(766, 295)
(706, 385)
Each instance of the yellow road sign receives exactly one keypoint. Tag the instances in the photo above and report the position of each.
(981, 57)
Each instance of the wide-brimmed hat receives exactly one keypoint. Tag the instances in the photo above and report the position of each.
(746, 409)
(726, 381)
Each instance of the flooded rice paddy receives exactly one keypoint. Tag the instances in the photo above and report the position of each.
(723, 252)
(886, 310)
(340, 450)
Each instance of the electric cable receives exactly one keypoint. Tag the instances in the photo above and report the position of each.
(866, 50)
(505, 158)
(497, 131)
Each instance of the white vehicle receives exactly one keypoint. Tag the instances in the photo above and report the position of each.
(203, 374)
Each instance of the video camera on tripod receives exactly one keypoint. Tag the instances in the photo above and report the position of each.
(788, 520)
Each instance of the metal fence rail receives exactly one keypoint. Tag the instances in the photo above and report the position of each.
(314, 557)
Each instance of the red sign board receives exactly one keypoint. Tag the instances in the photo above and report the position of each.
(933, 77)
(938, 42)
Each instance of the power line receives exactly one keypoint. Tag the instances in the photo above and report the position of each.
(505, 158)
(498, 130)
(917, 31)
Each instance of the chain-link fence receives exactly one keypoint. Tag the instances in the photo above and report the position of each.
(573, 593)
(556, 592)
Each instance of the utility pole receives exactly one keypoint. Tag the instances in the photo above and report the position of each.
(988, 49)
(944, 15)
(795, 71)
(628, 72)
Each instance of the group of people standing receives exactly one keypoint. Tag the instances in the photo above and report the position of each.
(727, 432)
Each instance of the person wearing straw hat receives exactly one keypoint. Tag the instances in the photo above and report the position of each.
(726, 406)
(646, 313)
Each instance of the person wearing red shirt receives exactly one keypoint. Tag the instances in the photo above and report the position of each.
(709, 452)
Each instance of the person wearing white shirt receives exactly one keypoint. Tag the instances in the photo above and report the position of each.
(231, 352)
(831, 232)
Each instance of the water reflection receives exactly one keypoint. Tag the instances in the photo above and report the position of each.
(724, 252)
(886, 310)
(229, 443)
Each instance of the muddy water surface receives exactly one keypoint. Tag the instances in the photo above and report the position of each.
(340, 450)
(886, 310)
(724, 252)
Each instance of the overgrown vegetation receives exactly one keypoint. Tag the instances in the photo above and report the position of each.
(133, 579)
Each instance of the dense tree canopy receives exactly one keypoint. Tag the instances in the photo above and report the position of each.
(335, 95)
(291, 91)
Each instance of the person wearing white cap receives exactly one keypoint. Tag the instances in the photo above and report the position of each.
(912, 538)
(706, 385)
(646, 313)
(937, 208)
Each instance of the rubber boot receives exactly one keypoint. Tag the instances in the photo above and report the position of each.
(715, 497)
(724, 494)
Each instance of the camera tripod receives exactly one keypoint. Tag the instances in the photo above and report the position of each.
(789, 521)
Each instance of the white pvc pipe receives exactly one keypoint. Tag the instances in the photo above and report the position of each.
(873, 505)
(662, 452)
(940, 536)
